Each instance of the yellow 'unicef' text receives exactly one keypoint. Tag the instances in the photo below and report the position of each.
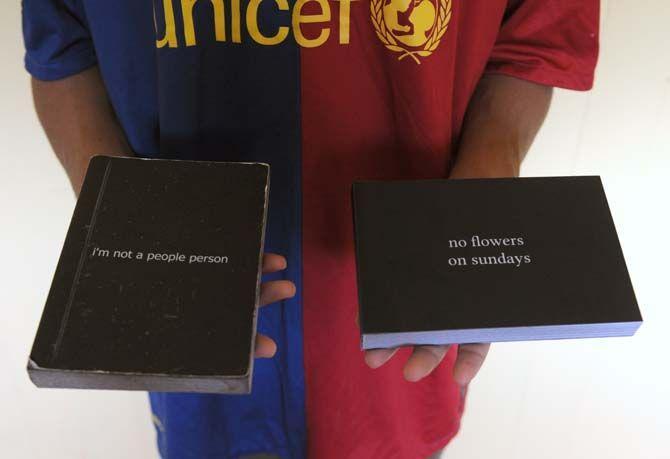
(220, 18)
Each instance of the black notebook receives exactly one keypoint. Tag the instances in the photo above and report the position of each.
(463, 261)
(157, 285)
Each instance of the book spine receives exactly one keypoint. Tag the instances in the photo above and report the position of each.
(64, 285)
(354, 196)
(254, 324)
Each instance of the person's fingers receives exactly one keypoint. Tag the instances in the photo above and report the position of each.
(277, 290)
(375, 358)
(265, 347)
(271, 292)
(469, 360)
(273, 263)
(423, 360)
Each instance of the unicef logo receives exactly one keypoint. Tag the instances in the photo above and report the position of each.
(412, 28)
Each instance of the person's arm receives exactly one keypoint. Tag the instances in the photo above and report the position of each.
(79, 121)
(503, 117)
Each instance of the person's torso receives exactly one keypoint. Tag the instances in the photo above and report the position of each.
(326, 92)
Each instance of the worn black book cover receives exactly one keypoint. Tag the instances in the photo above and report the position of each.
(482, 260)
(157, 285)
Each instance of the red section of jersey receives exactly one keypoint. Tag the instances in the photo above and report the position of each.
(370, 111)
(550, 42)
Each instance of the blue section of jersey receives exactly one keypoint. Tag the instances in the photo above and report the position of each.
(201, 102)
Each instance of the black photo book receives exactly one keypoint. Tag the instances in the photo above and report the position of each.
(485, 260)
(157, 285)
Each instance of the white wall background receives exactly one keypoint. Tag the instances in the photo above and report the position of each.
(603, 398)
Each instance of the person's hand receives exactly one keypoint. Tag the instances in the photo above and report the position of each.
(272, 291)
(424, 359)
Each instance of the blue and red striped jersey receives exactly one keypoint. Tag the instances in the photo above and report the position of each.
(326, 92)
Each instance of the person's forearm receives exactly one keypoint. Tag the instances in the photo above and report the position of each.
(502, 120)
(79, 121)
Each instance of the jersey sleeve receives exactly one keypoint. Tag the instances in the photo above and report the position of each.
(550, 42)
(57, 39)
